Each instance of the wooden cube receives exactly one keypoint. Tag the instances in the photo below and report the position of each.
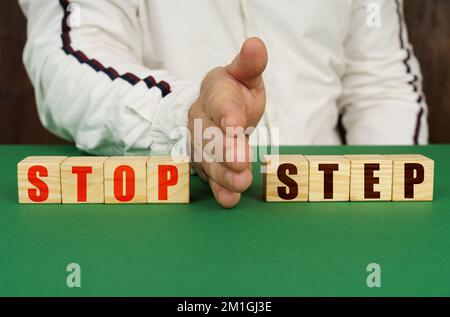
(168, 180)
(39, 179)
(285, 178)
(413, 178)
(125, 180)
(82, 180)
(329, 178)
(370, 178)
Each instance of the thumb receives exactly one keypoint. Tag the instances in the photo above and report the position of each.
(250, 63)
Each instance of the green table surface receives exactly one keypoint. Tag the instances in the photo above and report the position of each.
(200, 249)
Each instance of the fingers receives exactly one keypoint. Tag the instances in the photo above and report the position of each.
(237, 153)
(227, 114)
(235, 182)
(225, 104)
(232, 176)
(250, 63)
(216, 147)
(230, 100)
(223, 196)
(234, 96)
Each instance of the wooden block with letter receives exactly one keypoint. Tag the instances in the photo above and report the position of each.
(39, 179)
(125, 180)
(329, 178)
(370, 178)
(285, 178)
(82, 180)
(413, 178)
(168, 180)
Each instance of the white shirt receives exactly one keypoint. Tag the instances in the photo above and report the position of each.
(96, 65)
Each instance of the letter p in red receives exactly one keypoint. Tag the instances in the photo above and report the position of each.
(167, 176)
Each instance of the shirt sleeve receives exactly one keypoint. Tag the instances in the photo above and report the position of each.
(91, 85)
(382, 100)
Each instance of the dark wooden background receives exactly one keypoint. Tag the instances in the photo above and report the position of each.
(429, 27)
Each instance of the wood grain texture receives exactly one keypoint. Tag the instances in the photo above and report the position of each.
(419, 189)
(429, 29)
(294, 186)
(375, 168)
(94, 190)
(123, 170)
(326, 168)
(163, 186)
(51, 166)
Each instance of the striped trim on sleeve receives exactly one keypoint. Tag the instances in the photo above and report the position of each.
(98, 66)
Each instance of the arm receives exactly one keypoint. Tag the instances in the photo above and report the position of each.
(91, 85)
(382, 100)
